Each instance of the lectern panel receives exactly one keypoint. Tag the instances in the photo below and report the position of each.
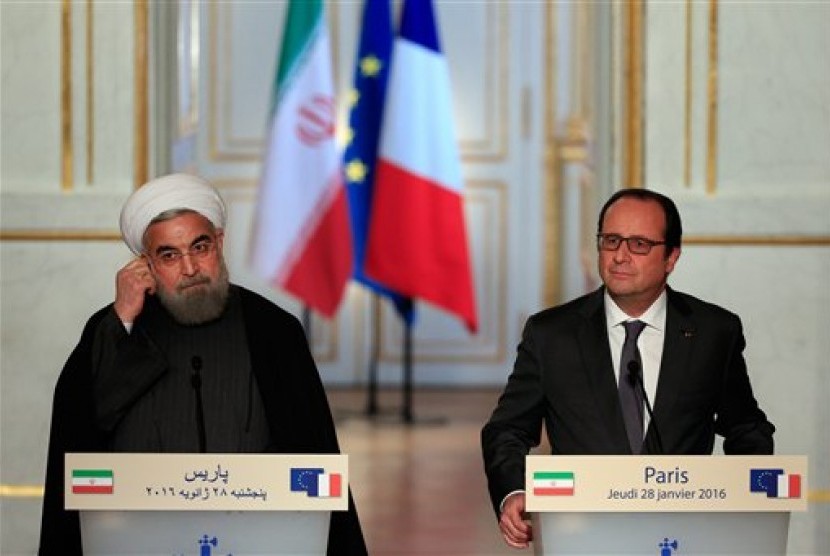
(661, 534)
(215, 533)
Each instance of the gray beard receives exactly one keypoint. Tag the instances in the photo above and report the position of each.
(199, 305)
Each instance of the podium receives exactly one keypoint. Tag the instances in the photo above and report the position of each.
(663, 505)
(205, 504)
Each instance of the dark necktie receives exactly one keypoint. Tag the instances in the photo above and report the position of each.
(631, 397)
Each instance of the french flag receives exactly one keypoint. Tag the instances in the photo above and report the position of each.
(788, 486)
(417, 244)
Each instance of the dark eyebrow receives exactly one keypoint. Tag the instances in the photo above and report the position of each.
(200, 239)
(163, 248)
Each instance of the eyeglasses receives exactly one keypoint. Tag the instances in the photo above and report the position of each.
(637, 245)
(198, 251)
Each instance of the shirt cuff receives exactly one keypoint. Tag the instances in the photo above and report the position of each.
(509, 494)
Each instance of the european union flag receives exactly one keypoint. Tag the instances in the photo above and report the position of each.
(304, 479)
(366, 102)
(765, 480)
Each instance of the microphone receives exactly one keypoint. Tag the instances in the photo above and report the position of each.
(196, 382)
(635, 377)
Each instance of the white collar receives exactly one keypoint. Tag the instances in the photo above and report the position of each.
(654, 316)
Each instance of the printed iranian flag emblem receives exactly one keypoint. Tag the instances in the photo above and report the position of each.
(92, 481)
(553, 483)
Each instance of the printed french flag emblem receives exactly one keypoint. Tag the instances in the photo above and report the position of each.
(316, 483)
(775, 483)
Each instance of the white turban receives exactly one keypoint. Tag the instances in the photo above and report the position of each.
(176, 191)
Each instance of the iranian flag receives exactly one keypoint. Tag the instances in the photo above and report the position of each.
(553, 483)
(92, 481)
(301, 239)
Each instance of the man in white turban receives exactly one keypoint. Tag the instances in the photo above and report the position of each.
(191, 283)
(184, 361)
(172, 192)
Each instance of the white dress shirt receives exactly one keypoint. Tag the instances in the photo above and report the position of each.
(650, 342)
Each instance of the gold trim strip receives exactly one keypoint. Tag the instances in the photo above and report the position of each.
(712, 102)
(770, 241)
(67, 171)
(687, 123)
(90, 92)
(551, 279)
(634, 156)
(760, 240)
(59, 235)
(141, 109)
(21, 491)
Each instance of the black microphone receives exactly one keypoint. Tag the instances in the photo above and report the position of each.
(635, 377)
(196, 382)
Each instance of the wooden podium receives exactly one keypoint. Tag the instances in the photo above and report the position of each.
(664, 505)
(205, 504)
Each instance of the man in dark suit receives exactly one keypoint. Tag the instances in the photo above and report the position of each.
(185, 361)
(681, 352)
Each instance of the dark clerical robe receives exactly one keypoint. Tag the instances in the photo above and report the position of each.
(260, 387)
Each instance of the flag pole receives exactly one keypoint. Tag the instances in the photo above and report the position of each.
(406, 413)
(307, 322)
(372, 384)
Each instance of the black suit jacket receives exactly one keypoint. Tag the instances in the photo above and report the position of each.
(563, 376)
(295, 403)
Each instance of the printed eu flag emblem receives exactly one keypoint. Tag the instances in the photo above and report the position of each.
(764, 480)
(316, 482)
(775, 483)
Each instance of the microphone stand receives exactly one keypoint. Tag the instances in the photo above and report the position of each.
(635, 377)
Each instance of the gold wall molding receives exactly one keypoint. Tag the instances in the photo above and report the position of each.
(21, 491)
(573, 147)
(633, 155)
(90, 92)
(551, 194)
(141, 93)
(60, 235)
(712, 102)
(67, 169)
(758, 240)
(687, 116)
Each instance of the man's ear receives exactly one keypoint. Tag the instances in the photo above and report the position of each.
(671, 260)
